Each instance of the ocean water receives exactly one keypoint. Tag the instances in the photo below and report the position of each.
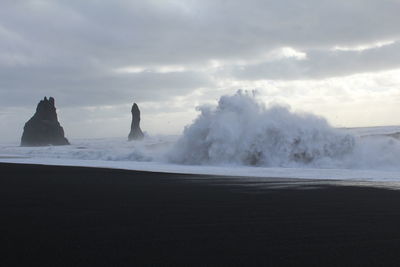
(239, 136)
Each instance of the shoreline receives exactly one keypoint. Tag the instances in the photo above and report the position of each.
(392, 178)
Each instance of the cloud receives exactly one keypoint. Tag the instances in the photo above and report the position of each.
(171, 49)
(319, 64)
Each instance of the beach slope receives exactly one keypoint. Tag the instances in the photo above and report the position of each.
(75, 216)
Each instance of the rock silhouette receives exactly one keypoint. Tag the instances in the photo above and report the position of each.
(136, 133)
(43, 128)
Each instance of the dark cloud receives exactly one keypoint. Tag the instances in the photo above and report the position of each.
(117, 33)
(88, 87)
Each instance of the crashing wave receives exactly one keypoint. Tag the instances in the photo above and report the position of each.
(241, 130)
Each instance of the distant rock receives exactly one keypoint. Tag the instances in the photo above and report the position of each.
(136, 133)
(43, 128)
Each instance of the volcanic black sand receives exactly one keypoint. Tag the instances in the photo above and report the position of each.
(71, 216)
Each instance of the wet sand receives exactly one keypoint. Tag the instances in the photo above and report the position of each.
(74, 216)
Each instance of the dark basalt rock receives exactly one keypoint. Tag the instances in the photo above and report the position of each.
(43, 128)
(136, 133)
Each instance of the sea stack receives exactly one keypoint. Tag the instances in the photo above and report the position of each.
(136, 133)
(43, 128)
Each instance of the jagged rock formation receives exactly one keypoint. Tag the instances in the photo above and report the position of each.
(136, 133)
(43, 128)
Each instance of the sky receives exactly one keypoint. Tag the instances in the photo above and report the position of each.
(338, 59)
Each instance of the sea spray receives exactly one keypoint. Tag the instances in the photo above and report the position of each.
(241, 130)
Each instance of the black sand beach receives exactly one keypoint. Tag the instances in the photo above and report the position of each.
(71, 216)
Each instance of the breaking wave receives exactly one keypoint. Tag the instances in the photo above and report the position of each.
(242, 130)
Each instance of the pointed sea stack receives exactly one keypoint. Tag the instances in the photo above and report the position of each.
(136, 133)
(43, 128)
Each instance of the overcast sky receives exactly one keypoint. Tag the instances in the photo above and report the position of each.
(339, 59)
